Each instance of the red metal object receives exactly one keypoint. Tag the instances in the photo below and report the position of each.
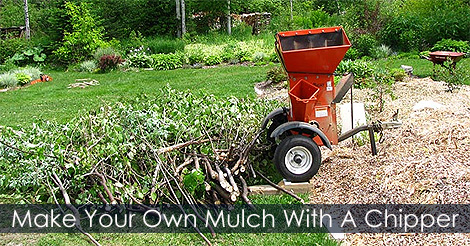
(310, 58)
(439, 57)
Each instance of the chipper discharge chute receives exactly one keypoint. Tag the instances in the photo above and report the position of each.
(310, 58)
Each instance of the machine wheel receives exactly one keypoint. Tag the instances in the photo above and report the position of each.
(297, 158)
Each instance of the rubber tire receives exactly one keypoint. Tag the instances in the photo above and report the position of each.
(290, 142)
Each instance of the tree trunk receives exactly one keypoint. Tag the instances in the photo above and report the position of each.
(183, 17)
(178, 18)
(229, 19)
(291, 10)
(26, 20)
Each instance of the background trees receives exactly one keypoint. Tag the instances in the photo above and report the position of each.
(404, 25)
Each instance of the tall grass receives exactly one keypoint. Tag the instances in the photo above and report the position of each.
(8, 80)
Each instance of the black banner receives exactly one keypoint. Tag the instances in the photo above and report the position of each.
(269, 218)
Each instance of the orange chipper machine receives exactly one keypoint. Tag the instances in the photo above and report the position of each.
(310, 58)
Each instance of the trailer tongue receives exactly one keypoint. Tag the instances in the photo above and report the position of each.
(310, 58)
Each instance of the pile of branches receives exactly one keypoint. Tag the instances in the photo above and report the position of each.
(177, 148)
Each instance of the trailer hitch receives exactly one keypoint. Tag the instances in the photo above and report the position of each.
(373, 127)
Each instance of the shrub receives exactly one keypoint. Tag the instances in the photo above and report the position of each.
(87, 66)
(8, 80)
(101, 51)
(213, 60)
(85, 37)
(164, 45)
(381, 84)
(352, 54)
(9, 47)
(417, 25)
(7, 66)
(109, 62)
(365, 44)
(454, 78)
(32, 72)
(451, 45)
(260, 57)
(167, 61)
(276, 74)
(33, 55)
(23, 78)
(382, 51)
(360, 69)
(398, 74)
(139, 58)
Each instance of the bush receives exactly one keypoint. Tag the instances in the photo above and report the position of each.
(382, 51)
(213, 60)
(9, 47)
(29, 56)
(276, 74)
(365, 44)
(381, 84)
(7, 66)
(398, 74)
(23, 78)
(139, 58)
(360, 69)
(451, 45)
(101, 51)
(87, 66)
(32, 72)
(164, 45)
(352, 54)
(417, 25)
(109, 62)
(85, 37)
(454, 78)
(167, 61)
(8, 80)
(260, 57)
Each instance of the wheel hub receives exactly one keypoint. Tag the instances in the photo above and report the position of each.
(298, 160)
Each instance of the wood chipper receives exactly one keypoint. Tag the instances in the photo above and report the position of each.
(310, 58)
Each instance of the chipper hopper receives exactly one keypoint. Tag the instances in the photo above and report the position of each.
(310, 58)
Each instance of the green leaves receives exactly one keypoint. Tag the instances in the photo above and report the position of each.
(85, 38)
(115, 141)
(194, 182)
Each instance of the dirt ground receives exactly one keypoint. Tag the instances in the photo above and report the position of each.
(426, 161)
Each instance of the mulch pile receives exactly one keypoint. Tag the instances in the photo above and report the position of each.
(426, 161)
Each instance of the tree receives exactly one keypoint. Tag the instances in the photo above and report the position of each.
(229, 19)
(183, 17)
(178, 18)
(26, 20)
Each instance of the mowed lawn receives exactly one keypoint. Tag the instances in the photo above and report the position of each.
(55, 102)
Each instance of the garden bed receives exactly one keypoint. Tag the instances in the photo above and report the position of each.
(426, 161)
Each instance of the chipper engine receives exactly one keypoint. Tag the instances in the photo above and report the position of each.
(310, 58)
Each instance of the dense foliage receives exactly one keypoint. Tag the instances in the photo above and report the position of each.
(119, 141)
(66, 32)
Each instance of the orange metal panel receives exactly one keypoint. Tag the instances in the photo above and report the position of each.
(310, 58)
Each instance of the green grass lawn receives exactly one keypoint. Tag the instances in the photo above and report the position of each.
(54, 101)
(421, 67)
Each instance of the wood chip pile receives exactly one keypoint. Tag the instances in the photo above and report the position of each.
(426, 161)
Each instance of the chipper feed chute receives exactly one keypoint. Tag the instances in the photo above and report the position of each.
(315, 51)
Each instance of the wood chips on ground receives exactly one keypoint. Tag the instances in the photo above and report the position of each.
(426, 161)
